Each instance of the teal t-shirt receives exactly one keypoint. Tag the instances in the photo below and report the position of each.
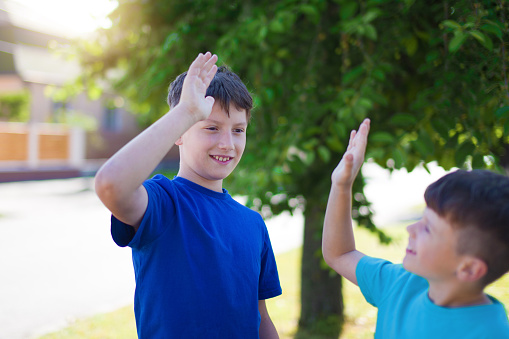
(405, 310)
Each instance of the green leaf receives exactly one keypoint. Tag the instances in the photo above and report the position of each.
(483, 39)
(494, 29)
(365, 103)
(451, 24)
(310, 157)
(411, 45)
(324, 153)
(352, 75)
(382, 137)
(457, 41)
(502, 112)
(335, 144)
(403, 119)
(478, 161)
(370, 31)
(347, 10)
(440, 126)
(378, 74)
(370, 16)
(310, 144)
(424, 145)
(312, 12)
(465, 149)
(171, 39)
(277, 26)
(399, 158)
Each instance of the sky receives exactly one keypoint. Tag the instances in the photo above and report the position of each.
(75, 17)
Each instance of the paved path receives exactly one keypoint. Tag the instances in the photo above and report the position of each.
(57, 260)
(59, 263)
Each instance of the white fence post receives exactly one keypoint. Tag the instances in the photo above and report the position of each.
(76, 147)
(33, 145)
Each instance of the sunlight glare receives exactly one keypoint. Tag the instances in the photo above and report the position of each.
(77, 16)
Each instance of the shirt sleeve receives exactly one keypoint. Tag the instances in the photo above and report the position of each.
(269, 285)
(160, 210)
(376, 278)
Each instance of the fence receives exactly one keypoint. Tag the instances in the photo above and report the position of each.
(38, 145)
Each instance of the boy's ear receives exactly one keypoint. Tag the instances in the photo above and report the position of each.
(471, 269)
(179, 141)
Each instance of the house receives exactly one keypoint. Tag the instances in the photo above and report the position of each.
(55, 139)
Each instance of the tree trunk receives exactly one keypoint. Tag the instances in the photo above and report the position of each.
(321, 299)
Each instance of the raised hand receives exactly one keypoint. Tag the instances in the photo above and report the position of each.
(350, 164)
(198, 78)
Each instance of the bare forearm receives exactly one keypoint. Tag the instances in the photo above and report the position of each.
(268, 330)
(126, 170)
(338, 237)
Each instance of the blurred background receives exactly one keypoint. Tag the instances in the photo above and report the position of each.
(78, 79)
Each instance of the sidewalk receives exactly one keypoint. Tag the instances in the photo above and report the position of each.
(57, 260)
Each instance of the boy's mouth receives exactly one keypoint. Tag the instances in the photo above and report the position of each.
(410, 251)
(221, 158)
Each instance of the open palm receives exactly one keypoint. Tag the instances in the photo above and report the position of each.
(198, 78)
(350, 164)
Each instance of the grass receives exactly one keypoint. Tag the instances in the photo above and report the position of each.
(284, 310)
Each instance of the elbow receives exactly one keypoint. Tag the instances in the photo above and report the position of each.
(327, 256)
(104, 186)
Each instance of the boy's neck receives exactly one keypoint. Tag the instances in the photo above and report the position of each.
(213, 185)
(456, 296)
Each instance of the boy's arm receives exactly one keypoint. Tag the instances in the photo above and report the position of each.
(118, 182)
(338, 243)
(267, 328)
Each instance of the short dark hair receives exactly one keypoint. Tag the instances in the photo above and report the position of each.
(226, 87)
(476, 203)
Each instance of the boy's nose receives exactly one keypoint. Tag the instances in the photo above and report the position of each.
(411, 229)
(226, 141)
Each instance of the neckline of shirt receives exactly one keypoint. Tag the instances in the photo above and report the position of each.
(201, 189)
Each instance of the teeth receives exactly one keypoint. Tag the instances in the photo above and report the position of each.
(221, 158)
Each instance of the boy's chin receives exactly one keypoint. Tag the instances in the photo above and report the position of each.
(406, 265)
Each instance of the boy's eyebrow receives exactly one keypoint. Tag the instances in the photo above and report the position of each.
(242, 123)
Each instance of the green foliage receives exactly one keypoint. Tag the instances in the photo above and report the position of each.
(431, 76)
(15, 106)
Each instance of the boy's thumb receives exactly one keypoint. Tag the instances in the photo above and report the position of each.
(210, 99)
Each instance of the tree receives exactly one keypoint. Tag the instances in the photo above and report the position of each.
(431, 75)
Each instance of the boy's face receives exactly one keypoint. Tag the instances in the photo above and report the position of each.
(431, 251)
(211, 149)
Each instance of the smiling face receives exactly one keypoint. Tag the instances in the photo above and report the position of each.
(211, 149)
(431, 251)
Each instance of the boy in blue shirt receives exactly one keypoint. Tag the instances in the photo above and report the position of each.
(203, 263)
(460, 245)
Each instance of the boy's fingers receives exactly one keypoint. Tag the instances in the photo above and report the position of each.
(210, 62)
(351, 141)
(196, 65)
(210, 75)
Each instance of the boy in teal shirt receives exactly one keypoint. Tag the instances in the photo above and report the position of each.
(460, 245)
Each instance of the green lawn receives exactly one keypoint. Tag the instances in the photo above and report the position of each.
(284, 310)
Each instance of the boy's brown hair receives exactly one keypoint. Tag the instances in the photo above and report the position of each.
(477, 204)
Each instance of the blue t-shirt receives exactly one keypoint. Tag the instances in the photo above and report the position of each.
(201, 260)
(405, 310)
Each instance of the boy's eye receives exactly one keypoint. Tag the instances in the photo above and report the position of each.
(238, 130)
(212, 128)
